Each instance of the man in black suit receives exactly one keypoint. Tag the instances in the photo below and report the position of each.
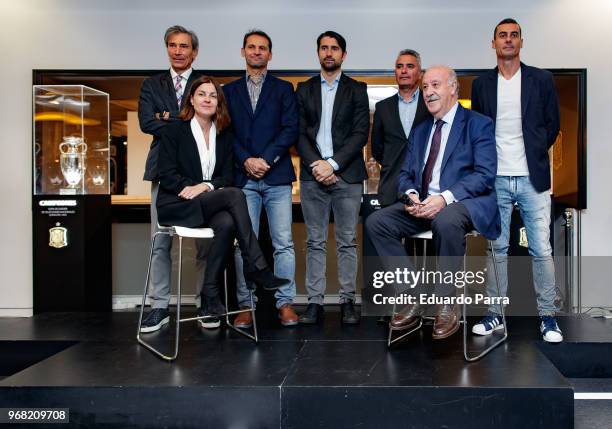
(161, 100)
(334, 125)
(394, 118)
(522, 101)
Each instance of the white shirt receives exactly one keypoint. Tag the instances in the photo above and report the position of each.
(207, 154)
(511, 158)
(184, 78)
(434, 185)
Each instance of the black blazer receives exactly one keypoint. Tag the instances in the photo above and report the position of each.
(157, 95)
(350, 127)
(179, 166)
(389, 143)
(540, 116)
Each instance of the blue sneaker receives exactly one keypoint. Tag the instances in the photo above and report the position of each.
(491, 322)
(550, 330)
(156, 318)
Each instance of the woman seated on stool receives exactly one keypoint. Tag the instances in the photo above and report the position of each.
(195, 169)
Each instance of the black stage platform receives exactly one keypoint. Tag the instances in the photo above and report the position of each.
(327, 376)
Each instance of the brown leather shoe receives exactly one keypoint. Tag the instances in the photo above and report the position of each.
(243, 320)
(287, 316)
(407, 318)
(446, 322)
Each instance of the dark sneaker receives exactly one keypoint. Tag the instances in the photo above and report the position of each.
(550, 330)
(156, 318)
(491, 322)
(212, 308)
(313, 313)
(266, 279)
(349, 315)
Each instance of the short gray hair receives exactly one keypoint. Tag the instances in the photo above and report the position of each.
(452, 75)
(452, 78)
(177, 29)
(411, 52)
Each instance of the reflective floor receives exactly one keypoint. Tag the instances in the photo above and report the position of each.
(326, 375)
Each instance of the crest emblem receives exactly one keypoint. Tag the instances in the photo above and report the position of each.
(58, 236)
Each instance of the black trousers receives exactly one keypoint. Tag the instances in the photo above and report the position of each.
(225, 211)
(387, 227)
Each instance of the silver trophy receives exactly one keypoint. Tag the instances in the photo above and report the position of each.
(72, 161)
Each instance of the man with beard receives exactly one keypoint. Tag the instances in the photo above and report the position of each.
(446, 183)
(522, 101)
(334, 125)
(265, 124)
(394, 118)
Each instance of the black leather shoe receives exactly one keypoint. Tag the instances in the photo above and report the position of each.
(313, 313)
(266, 279)
(407, 318)
(349, 315)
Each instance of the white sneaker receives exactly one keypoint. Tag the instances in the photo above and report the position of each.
(550, 330)
(491, 322)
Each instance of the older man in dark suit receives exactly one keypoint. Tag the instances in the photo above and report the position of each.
(334, 125)
(446, 185)
(161, 100)
(394, 118)
(522, 100)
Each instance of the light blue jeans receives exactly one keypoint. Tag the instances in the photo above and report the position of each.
(277, 202)
(535, 211)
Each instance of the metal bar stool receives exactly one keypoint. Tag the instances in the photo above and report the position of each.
(428, 235)
(182, 232)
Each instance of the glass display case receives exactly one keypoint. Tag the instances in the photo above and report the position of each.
(70, 140)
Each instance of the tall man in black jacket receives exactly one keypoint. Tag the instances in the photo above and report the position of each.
(394, 118)
(522, 101)
(161, 100)
(334, 125)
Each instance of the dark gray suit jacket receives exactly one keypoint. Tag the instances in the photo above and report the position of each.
(389, 143)
(350, 127)
(157, 95)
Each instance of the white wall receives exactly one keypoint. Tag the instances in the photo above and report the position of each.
(128, 35)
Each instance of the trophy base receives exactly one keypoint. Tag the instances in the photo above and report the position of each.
(68, 191)
(72, 253)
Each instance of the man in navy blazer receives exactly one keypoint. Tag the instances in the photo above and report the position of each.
(446, 184)
(161, 100)
(265, 124)
(522, 101)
